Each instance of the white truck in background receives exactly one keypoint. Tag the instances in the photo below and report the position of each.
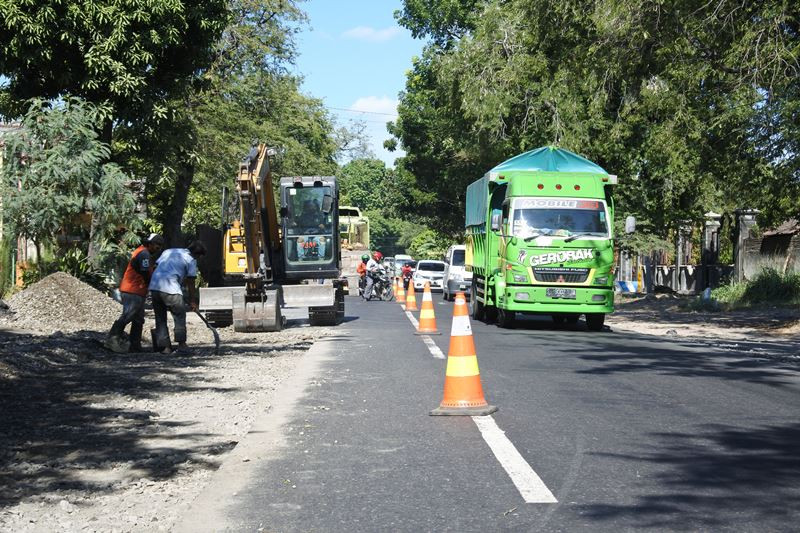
(456, 277)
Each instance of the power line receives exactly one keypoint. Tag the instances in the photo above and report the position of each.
(357, 111)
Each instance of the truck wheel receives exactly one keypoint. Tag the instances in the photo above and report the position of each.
(505, 318)
(595, 321)
(476, 310)
(489, 314)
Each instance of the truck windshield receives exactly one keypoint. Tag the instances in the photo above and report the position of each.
(458, 258)
(559, 218)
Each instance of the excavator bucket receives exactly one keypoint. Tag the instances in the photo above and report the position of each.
(257, 316)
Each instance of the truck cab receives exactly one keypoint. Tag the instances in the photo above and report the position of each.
(540, 239)
(456, 276)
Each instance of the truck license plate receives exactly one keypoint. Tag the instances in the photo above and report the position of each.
(567, 294)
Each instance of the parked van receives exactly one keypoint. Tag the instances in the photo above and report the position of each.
(456, 278)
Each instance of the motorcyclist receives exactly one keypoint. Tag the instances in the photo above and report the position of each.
(373, 268)
(361, 270)
(406, 271)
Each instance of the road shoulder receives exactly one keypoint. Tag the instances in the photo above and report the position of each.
(263, 442)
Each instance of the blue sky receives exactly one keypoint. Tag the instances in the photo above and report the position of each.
(354, 56)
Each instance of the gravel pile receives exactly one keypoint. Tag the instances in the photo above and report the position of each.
(60, 302)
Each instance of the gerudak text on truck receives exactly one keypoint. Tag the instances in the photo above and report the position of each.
(540, 239)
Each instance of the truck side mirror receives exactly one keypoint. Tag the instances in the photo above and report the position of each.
(496, 222)
(327, 203)
(284, 211)
(630, 224)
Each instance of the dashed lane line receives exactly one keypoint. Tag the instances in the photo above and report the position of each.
(435, 351)
(528, 483)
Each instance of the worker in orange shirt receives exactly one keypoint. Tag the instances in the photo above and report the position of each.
(361, 270)
(133, 289)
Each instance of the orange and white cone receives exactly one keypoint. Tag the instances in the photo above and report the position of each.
(427, 318)
(463, 393)
(411, 300)
(401, 294)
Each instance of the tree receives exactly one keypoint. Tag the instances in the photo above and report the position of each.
(128, 57)
(55, 173)
(693, 104)
(369, 185)
(247, 95)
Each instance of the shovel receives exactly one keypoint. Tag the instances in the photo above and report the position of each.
(213, 330)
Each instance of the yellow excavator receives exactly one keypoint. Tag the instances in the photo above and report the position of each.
(271, 257)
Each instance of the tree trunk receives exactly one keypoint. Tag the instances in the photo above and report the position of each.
(173, 217)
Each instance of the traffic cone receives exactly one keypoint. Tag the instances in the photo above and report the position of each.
(427, 318)
(401, 294)
(411, 300)
(463, 393)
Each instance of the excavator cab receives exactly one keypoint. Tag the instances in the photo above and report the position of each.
(309, 223)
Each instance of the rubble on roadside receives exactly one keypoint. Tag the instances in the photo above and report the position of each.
(60, 302)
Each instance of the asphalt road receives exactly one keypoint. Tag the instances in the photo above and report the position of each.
(628, 432)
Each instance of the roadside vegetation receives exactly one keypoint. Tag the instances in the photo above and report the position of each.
(692, 103)
(769, 288)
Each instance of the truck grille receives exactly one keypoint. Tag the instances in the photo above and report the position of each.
(561, 275)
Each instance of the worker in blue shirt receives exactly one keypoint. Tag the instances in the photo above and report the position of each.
(176, 268)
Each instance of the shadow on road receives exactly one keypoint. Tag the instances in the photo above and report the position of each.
(685, 359)
(713, 475)
(57, 422)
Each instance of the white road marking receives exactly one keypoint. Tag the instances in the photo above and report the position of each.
(435, 351)
(528, 482)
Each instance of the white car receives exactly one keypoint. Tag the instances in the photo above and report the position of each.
(429, 271)
(456, 278)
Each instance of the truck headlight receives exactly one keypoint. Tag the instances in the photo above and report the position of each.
(521, 278)
(457, 277)
(602, 280)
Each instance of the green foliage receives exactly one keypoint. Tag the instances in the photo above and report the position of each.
(73, 261)
(391, 235)
(56, 181)
(768, 288)
(369, 185)
(246, 95)
(692, 104)
(129, 56)
(429, 245)
(643, 241)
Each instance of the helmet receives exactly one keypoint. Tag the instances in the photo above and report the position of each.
(365, 257)
(378, 256)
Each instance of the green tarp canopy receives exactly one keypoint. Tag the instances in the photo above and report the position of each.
(546, 158)
(551, 159)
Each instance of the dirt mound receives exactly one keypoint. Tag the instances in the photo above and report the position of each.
(61, 302)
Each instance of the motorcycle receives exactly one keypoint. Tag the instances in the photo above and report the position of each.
(381, 286)
(407, 278)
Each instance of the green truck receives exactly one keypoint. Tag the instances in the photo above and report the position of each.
(540, 239)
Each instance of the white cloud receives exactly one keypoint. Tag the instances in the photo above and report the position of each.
(376, 104)
(367, 33)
